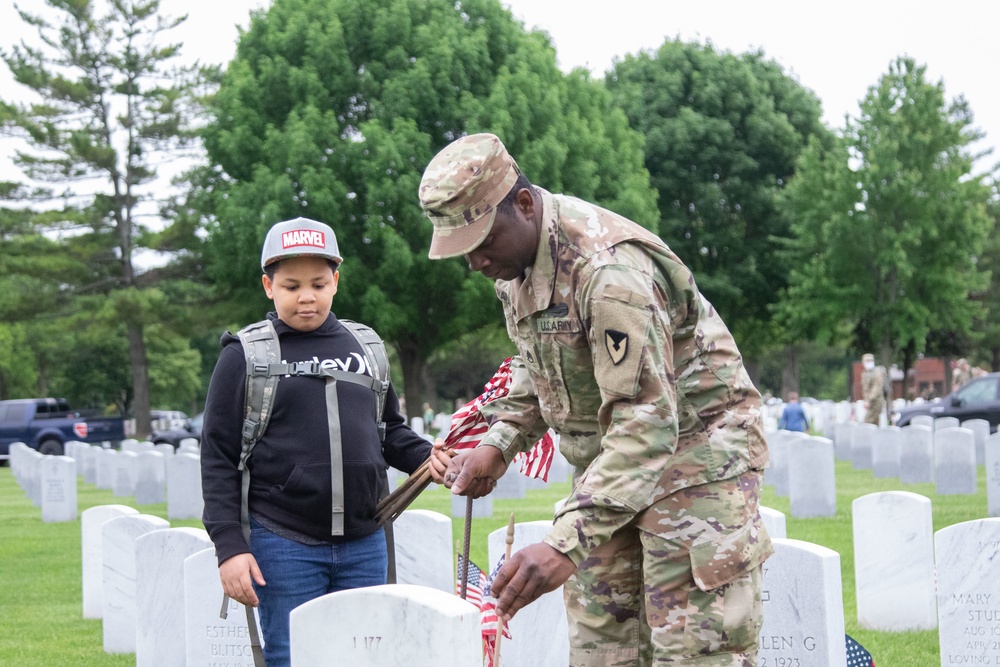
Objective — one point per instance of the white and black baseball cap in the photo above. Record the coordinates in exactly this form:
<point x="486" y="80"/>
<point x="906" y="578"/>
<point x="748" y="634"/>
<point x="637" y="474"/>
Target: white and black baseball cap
<point x="300" y="237"/>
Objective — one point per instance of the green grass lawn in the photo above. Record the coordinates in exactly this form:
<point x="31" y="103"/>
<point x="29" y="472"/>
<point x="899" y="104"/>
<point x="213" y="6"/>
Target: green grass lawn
<point x="40" y="570"/>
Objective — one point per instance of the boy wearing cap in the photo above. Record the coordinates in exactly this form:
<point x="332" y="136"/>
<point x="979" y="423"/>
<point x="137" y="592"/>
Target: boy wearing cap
<point x="304" y="542"/>
<point x="660" y="543"/>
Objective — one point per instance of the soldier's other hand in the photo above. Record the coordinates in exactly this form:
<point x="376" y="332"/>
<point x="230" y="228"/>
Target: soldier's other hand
<point x="439" y="460"/>
<point x="528" y="575"/>
<point x="474" y="472"/>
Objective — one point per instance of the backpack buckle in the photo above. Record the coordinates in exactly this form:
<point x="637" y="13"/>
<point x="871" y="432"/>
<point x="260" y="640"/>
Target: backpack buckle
<point x="304" y="368"/>
<point x="260" y="369"/>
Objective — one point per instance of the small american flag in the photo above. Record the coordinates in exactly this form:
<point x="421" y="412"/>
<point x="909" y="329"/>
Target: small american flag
<point x="857" y="656"/>
<point x="488" y="617"/>
<point x="475" y="582"/>
<point x="468" y="425"/>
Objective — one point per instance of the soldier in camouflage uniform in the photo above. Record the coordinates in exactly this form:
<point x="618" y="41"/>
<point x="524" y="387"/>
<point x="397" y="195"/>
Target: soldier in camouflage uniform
<point x="872" y="389"/>
<point x="660" y="543"/>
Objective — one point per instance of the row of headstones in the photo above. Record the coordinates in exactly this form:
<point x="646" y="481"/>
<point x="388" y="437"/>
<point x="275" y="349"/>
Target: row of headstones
<point x="152" y="477"/>
<point x="803" y="467"/>
<point x="157" y="591"/>
<point x="944" y="451"/>
<point x="907" y="578"/>
<point x="132" y="564"/>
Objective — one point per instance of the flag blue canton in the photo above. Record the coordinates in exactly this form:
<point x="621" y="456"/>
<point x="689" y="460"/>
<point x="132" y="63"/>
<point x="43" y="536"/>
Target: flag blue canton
<point x="857" y="656"/>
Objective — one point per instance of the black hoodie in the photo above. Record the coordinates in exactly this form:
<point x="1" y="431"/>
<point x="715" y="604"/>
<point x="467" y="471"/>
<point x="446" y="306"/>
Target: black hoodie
<point x="290" y="465"/>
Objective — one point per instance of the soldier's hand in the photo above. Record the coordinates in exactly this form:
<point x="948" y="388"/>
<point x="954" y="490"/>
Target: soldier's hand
<point x="474" y="472"/>
<point x="528" y="575"/>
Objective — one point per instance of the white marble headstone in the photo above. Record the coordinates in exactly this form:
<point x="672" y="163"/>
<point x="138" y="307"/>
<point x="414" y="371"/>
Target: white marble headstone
<point x="843" y="435"/>
<point x="803" y="607"/>
<point x="955" y="461"/>
<point x="968" y="592"/>
<point x="992" y="449"/>
<point x="210" y="640"/>
<point x="125" y="471"/>
<point x="885" y="452"/>
<point x="386" y="626"/>
<point x="58" y="484"/>
<point x="812" y="481"/>
<point x="981" y="428"/>
<point x="916" y="454"/>
<point x="941" y="423"/>
<point x="861" y="446"/>
<point x="417" y="424"/>
<point x="482" y="508"/>
<point x="159" y="594"/>
<point x="894" y="561"/>
<point x="184" y="499"/>
<point x="88" y="463"/>
<point x="511" y="485"/>
<point x="923" y="420"/>
<point x="774" y="521"/>
<point x="165" y="448"/>
<point x="150" y="478"/>
<point x="540" y="634"/>
<point x="33" y="476"/>
<point x="106" y="464"/>
<point x="118" y="538"/>
<point x="425" y="555"/>
<point x="776" y="472"/>
<point x="92" y="521"/>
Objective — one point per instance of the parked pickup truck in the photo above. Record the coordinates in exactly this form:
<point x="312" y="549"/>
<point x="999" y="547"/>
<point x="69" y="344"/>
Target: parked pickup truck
<point x="46" y="424"/>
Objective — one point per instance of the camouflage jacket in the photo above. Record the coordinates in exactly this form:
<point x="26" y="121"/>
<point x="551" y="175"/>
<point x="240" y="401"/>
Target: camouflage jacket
<point x="623" y="357"/>
<point x="873" y="384"/>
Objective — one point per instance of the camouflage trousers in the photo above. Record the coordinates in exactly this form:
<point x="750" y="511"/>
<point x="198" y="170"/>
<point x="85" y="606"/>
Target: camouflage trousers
<point x="680" y="585"/>
<point x="874" y="411"/>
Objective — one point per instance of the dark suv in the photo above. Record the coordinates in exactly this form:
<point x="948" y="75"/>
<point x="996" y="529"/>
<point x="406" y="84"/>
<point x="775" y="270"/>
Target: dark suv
<point x="976" y="399"/>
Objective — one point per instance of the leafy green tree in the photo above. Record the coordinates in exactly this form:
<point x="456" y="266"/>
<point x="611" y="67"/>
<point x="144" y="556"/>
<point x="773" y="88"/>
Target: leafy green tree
<point x="723" y="133"/>
<point x="888" y="223"/>
<point x="109" y="110"/>
<point x="332" y="108"/>
<point x="988" y="327"/>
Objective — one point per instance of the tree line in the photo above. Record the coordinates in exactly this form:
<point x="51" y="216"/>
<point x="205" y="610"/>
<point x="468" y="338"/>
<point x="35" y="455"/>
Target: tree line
<point x="878" y="237"/>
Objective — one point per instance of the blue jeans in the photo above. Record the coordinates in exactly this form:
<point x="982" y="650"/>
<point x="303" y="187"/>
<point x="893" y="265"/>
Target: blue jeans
<point x="296" y="573"/>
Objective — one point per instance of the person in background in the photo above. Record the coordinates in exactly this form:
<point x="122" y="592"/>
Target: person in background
<point x="873" y="381"/>
<point x="428" y="417"/>
<point x="961" y="374"/>
<point x="793" y="417"/>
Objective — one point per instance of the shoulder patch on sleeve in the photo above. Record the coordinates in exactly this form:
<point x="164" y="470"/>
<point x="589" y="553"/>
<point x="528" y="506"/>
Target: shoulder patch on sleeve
<point x="620" y="329"/>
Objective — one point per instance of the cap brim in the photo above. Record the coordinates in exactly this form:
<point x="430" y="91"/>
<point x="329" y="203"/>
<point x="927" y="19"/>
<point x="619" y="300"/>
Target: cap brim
<point x="461" y="240"/>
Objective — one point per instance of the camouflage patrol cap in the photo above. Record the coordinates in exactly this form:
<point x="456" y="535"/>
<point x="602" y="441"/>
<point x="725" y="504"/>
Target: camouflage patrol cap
<point x="460" y="190"/>
<point x="300" y="237"/>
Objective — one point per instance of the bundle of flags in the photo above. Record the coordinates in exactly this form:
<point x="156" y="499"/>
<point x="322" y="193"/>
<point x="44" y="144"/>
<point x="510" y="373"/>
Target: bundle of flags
<point x="468" y="425"/>
<point x="477" y="591"/>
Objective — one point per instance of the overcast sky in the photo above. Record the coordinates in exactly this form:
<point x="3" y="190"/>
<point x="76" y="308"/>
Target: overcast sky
<point x="837" y="49"/>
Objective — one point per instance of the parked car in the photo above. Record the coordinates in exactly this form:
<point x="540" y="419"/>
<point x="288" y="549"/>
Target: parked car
<point x="46" y="424"/>
<point x="190" y="428"/>
<point x="976" y="399"/>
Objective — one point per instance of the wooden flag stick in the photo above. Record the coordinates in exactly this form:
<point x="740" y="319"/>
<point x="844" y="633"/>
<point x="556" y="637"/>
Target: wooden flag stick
<point x="506" y="559"/>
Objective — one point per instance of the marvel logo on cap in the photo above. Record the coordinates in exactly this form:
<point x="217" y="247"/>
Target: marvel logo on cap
<point x="303" y="237"/>
<point x="300" y="237"/>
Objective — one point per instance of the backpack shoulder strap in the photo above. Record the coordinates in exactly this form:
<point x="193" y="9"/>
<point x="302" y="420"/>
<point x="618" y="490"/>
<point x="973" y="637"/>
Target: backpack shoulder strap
<point x="378" y="360"/>
<point x="262" y="352"/>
